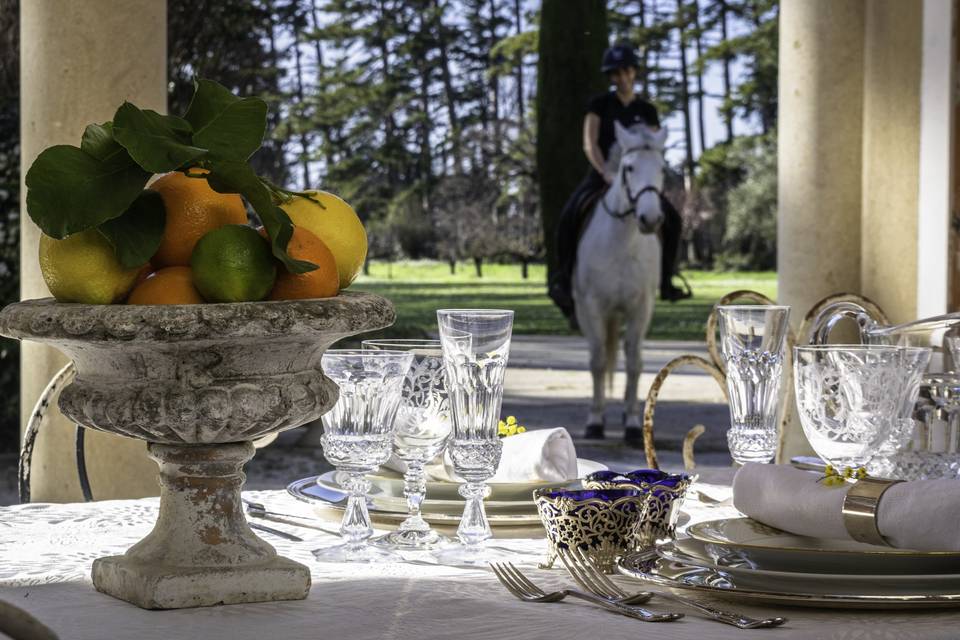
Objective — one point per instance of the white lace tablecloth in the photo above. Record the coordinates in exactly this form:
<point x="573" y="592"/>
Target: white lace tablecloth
<point x="46" y="551"/>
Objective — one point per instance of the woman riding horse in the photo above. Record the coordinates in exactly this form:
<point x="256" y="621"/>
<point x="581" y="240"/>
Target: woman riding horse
<point x="624" y="106"/>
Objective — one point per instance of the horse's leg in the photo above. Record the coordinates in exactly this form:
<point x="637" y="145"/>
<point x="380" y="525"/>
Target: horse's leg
<point x="594" y="329"/>
<point x="632" y="340"/>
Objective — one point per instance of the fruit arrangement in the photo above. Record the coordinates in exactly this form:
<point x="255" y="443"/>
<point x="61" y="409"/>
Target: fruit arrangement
<point x="152" y="209"/>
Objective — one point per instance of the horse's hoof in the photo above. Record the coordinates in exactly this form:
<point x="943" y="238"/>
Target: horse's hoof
<point x="593" y="432"/>
<point x="633" y="436"/>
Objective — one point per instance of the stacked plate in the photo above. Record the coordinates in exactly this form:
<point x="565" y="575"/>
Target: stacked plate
<point x="509" y="504"/>
<point x="741" y="558"/>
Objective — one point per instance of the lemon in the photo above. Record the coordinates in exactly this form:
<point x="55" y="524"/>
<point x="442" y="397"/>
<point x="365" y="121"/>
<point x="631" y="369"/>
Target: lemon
<point x="337" y="225"/>
<point x="84" y="268"/>
<point x="233" y="264"/>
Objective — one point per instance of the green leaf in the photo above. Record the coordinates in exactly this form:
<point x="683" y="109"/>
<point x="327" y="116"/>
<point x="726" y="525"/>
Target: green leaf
<point x="230" y="127"/>
<point x="156" y="142"/>
<point x="98" y="141"/>
<point x="69" y="190"/>
<point x="229" y="176"/>
<point x="136" y="234"/>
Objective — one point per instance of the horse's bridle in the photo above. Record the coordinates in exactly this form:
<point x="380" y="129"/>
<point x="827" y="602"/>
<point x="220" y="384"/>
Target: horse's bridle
<point x="632" y="199"/>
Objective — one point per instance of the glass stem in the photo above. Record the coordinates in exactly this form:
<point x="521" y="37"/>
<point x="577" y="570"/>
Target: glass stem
<point x="474" y="527"/>
<point x="414" y="489"/>
<point x="355" y="526"/>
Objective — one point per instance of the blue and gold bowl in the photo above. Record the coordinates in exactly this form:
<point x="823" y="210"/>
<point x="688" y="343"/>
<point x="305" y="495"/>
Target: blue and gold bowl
<point x="667" y="492"/>
<point x="603" y="524"/>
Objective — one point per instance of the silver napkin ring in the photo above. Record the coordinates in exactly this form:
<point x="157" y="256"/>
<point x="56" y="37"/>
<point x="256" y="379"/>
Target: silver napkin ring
<point x="860" y="510"/>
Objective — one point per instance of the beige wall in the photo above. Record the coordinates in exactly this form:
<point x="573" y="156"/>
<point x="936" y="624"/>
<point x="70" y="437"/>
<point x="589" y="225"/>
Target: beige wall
<point x="79" y="60"/>
<point x="891" y="152"/>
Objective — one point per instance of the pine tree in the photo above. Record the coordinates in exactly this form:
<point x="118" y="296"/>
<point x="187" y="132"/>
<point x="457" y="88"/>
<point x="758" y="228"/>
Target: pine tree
<point x="572" y="39"/>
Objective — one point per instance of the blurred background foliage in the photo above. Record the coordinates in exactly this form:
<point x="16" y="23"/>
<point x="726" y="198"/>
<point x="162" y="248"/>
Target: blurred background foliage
<point x="424" y="115"/>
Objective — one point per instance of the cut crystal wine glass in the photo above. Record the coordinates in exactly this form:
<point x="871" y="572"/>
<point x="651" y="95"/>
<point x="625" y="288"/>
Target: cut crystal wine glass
<point x="752" y="339"/>
<point x="851" y="397"/>
<point x="357" y="438"/>
<point x="422" y="430"/>
<point x="476" y="346"/>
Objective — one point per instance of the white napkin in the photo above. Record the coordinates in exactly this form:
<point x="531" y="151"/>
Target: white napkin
<point x="541" y="455"/>
<point x="923" y="514"/>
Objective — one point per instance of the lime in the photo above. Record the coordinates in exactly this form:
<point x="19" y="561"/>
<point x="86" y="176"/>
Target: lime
<point x="84" y="268"/>
<point x="233" y="264"/>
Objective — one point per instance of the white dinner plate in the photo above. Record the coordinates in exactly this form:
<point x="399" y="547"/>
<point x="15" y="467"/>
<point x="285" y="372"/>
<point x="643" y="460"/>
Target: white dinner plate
<point x="773" y="549"/>
<point x="390" y="483"/>
<point x="697" y="553"/>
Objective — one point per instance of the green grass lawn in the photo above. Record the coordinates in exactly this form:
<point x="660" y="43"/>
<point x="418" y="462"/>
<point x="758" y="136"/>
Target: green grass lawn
<point x="419" y="288"/>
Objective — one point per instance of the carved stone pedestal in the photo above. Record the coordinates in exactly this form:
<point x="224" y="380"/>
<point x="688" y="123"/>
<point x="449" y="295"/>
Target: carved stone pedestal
<point x="201" y="551"/>
<point x="199" y="383"/>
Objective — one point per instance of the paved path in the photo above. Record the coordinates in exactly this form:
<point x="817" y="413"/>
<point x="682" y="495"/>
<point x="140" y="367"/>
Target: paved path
<point x="548" y="385"/>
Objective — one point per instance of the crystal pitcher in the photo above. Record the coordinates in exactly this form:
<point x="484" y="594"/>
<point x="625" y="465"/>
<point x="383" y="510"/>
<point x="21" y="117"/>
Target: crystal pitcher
<point x="928" y="445"/>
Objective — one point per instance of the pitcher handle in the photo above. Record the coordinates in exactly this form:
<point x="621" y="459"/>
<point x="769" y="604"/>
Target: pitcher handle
<point x="830" y="315"/>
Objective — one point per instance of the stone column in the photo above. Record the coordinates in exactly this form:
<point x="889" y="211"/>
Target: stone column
<point x="78" y="62"/>
<point x="891" y="152"/>
<point x="820" y="145"/>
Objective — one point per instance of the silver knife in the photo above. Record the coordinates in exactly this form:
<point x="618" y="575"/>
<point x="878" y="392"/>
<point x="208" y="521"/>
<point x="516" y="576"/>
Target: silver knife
<point x="276" y="532"/>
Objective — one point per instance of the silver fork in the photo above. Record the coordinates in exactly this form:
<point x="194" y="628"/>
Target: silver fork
<point x="590" y="577"/>
<point x="521" y="587"/>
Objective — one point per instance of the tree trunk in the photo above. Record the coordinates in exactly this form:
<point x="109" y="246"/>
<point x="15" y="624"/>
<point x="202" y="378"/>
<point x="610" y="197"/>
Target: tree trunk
<point x="448" y="91"/>
<point x="524" y="269"/>
<point x="701" y="129"/>
<point x="685" y="88"/>
<point x="478" y="266"/>
<point x="304" y="141"/>
<point x="366" y="267"/>
<point x="495" y="84"/>
<point x="518" y="18"/>
<point x="573" y="36"/>
<point x="645" y="54"/>
<point x="727" y="112"/>
<point x="453" y="266"/>
<point x="325" y="129"/>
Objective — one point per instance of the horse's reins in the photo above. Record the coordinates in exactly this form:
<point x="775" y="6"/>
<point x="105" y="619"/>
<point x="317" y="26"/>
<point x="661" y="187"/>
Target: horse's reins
<point x="632" y="199"/>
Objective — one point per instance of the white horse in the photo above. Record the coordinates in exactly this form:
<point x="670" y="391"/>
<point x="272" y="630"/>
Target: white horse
<point x="617" y="274"/>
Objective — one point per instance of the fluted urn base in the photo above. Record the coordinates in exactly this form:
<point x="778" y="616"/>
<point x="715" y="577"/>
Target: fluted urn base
<point x="201" y="552"/>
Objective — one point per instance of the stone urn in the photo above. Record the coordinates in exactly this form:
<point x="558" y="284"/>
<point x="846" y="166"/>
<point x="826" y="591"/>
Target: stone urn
<point x="198" y="383"/>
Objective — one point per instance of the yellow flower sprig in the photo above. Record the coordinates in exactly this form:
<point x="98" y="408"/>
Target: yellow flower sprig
<point x="834" y="478"/>
<point x="509" y="427"/>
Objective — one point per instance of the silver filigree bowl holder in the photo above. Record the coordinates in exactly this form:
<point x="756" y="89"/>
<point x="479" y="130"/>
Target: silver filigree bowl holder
<point x="667" y="493"/>
<point x="602" y="524"/>
<point x="198" y="383"/>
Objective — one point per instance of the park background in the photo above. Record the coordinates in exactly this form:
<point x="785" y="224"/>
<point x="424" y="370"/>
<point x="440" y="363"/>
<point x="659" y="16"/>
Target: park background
<point x="453" y="128"/>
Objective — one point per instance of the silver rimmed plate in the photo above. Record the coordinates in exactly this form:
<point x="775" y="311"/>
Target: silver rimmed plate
<point x="308" y="490"/>
<point x="694" y="552"/>
<point x="649" y="568"/>
<point x="769" y="548"/>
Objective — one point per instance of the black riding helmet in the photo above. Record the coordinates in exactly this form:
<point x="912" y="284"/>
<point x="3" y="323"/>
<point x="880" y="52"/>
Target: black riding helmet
<point x="619" y="56"/>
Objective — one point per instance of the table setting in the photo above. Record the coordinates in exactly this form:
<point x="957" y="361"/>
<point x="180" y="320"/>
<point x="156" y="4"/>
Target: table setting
<point x="439" y="506"/>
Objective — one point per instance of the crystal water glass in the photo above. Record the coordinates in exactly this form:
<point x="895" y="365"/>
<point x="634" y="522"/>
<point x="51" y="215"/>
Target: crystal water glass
<point x="476" y="346"/>
<point x="851" y="397"/>
<point x="358" y="436"/>
<point x="422" y="430"/>
<point x="752" y="339"/>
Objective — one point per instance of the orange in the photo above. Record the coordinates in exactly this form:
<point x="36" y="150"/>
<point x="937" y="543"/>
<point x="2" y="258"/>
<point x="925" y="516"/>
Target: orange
<point x="171" y="285"/>
<point x="192" y="209"/>
<point x="322" y="282"/>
